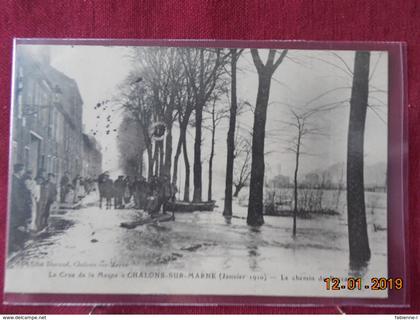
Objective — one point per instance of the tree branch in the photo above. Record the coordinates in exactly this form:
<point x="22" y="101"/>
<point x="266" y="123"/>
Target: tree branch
<point x="280" y="59"/>
<point x="257" y="60"/>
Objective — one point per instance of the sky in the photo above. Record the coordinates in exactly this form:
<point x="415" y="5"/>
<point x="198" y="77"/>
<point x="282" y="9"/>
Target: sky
<point x="98" y="71"/>
<point x="305" y="80"/>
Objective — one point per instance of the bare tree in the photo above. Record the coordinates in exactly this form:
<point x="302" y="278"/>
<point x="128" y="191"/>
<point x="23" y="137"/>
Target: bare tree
<point x="216" y="115"/>
<point x="265" y="73"/>
<point x="185" y="107"/>
<point x="227" y="211"/>
<point x="242" y="155"/>
<point x="161" y="70"/>
<point x="135" y="99"/>
<point x="356" y="210"/>
<point x="203" y="68"/>
<point x="187" y="172"/>
<point x="301" y="128"/>
<point x="340" y="187"/>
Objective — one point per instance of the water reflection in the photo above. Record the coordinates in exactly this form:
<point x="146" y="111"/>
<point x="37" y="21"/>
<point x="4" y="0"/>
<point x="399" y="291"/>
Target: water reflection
<point x="254" y="237"/>
<point x="228" y="220"/>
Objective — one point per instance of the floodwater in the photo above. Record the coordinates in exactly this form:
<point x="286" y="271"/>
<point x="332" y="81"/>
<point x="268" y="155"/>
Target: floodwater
<point x="90" y="236"/>
<point x="93" y="235"/>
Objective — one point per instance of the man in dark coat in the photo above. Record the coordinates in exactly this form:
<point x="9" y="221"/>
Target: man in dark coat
<point x="135" y="188"/>
<point x="119" y="187"/>
<point x="154" y="199"/>
<point x="144" y="191"/>
<point x="127" y="190"/>
<point x="64" y="182"/>
<point x="101" y="180"/>
<point x="18" y="211"/>
<point x="140" y="191"/>
<point x="51" y="196"/>
<point x="42" y="203"/>
<point x="108" y="191"/>
<point x="167" y="191"/>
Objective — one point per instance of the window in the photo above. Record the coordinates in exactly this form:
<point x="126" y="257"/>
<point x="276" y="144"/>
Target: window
<point x="52" y="123"/>
<point x="48" y="166"/>
<point x="56" y="125"/>
<point x="59" y="127"/>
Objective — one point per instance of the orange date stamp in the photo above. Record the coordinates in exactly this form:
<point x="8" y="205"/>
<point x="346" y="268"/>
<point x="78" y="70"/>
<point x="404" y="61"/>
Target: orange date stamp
<point x="375" y="284"/>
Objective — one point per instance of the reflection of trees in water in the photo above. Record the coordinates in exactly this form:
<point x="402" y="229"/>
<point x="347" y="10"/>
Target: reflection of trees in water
<point x="228" y="220"/>
<point x="254" y="238"/>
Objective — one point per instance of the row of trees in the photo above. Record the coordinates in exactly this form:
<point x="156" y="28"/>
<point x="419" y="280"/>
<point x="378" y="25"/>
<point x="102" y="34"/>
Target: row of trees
<point x="301" y="126"/>
<point x="175" y="86"/>
<point x="181" y="86"/>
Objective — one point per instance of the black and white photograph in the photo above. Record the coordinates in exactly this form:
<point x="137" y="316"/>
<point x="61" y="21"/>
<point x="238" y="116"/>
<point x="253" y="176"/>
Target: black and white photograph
<point x="197" y="170"/>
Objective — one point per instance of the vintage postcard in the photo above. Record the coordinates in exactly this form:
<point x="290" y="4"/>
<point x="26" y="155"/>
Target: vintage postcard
<point x="159" y="170"/>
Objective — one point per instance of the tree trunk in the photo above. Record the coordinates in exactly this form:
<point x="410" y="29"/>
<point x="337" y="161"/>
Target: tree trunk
<point x="187" y="171"/>
<point x="140" y="168"/>
<point x="200" y="102"/>
<point x="209" y="195"/>
<point x="155" y="165"/>
<point x="182" y="135"/>
<point x="227" y="211"/>
<point x="161" y="158"/>
<point x="176" y="159"/>
<point x="168" y="140"/>
<point x="356" y="211"/>
<point x="295" y="187"/>
<point x="197" y="196"/>
<point x="149" y="162"/>
<point x="255" y="205"/>
<point x="238" y="188"/>
<point x="168" y="152"/>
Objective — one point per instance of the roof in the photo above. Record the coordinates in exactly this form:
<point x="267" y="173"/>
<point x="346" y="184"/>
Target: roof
<point x="56" y="80"/>
<point x="32" y="67"/>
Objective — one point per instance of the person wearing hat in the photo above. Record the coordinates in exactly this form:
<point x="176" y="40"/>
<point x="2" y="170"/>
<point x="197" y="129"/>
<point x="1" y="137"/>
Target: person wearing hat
<point x="167" y="192"/>
<point x="108" y="191"/>
<point x="41" y="196"/>
<point x="50" y="190"/>
<point x="144" y="191"/>
<point x="101" y="180"/>
<point x="119" y="188"/>
<point x="64" y="182"/>
<point x="127" y="190"/>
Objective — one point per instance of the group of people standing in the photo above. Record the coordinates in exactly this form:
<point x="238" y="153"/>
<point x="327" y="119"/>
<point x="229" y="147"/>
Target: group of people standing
<point x="32" y="198"/>
<point x="31" y="201"/>
<point x="72" y="191"/>
<point x="150" y="195"/>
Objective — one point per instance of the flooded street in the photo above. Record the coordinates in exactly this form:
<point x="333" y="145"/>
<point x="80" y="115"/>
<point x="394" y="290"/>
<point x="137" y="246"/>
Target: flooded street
<point x="90" y="237"/>
<point x="178" y="125"/>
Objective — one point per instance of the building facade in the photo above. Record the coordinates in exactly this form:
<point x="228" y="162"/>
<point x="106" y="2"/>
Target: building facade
<point x="92" y="157"/>
<point x="47" y="118"/>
